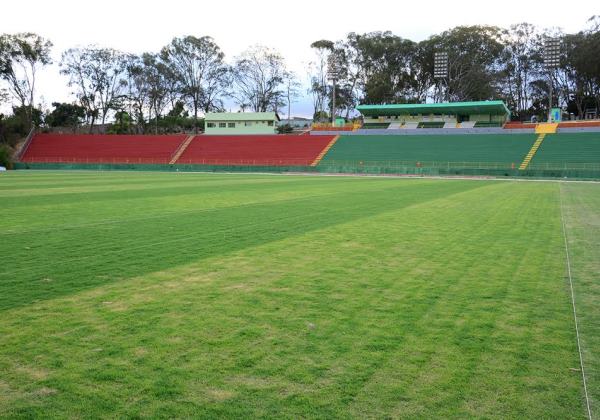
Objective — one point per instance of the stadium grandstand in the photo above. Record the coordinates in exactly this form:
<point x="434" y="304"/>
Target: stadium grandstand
<point x="435" y="115"/>
<point x="508" y="150"/>
<point x="275" y="150"/>
<point x="470" y="138"/>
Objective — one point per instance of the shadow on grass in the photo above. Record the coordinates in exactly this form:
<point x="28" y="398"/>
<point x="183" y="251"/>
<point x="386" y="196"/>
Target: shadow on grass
<point x="47" y="265"/>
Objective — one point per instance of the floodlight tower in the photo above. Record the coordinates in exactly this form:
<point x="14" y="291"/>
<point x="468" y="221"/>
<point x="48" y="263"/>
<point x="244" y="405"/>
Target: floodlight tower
<point x="333" y="73"/>
<point x="551" y="62"/>
<point x="440" y="69"/>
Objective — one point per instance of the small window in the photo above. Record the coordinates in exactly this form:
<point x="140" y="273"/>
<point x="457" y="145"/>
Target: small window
<point x="247" y="123"/>
<point x="222" y="125"/>
<point x="210" y="125"/>
<point x="270" y="123"/>
<point x="231" y="125"/>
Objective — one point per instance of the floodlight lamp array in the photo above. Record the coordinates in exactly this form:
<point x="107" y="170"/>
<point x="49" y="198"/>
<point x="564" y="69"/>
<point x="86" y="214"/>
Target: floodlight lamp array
<point x="551" y="53"/>
<point x="440" y="65"/>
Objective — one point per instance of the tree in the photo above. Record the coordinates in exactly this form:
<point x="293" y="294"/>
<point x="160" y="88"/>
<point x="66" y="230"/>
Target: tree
<point x="98" y="77"/>
<point x="258" y="76"/>
<point x="137" y="98"/>
<point x="65" y="115"/>
<point x="474" y="61"/>
<point x="21" y="56"/>
<point x="378" y="67"/>
<point x="578" y="76"/>
<point x="292" y="90"/>
<point x="348" y="59"/>
<point x="522" y="64"/>
<point x="16" y="126"/>
<point x="200" y="72"/>
<point x="160" y="81"/>
<point x="386" y="62"/>
<point x="122" y="124"/>
<point x="4" y="97"/>
<point x="318" y="75"/>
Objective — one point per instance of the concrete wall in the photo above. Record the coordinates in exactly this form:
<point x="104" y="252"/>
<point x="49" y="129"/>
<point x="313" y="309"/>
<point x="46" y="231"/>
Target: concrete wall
<point x="426" y="131"/>
<point x="579" y="130"/>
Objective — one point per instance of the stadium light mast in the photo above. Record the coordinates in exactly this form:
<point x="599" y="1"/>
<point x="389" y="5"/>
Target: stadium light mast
<point x="333" y="74"/>
<point x="551" y="62"/>
<point x="440" y="69"/>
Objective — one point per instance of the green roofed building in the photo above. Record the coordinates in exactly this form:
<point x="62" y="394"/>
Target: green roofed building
<point x="240" y="122"/>
<point x="447" y="115"/>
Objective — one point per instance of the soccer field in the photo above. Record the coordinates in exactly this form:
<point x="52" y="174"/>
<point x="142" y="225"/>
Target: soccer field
<point x="219" y="295"/>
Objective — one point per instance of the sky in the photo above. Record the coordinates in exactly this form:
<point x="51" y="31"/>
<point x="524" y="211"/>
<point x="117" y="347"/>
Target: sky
<point x="289" y="27"/>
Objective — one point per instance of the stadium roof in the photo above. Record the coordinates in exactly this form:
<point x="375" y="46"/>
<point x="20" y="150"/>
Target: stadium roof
<point x="481" y="107"/>
<point x="241" y="116"/>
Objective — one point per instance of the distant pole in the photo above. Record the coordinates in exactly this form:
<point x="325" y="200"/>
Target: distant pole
<point x="551" y="62"/>
<point x="289" y="104"/>
<point x="550" y="97"/>
<point x="333" y="106"/>
<point x="333" y="74"/>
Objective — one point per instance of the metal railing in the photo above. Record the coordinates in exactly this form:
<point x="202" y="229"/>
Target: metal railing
<point x="26" y="144"/>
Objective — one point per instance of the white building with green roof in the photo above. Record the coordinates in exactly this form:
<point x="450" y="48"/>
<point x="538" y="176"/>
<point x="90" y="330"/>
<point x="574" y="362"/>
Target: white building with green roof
<point x="232" y="123"/>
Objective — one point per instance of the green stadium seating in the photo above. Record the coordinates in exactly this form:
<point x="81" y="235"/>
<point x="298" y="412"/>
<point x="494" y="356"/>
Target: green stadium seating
<point x="375" y="125"/>
<point x="568" y="149"/>
<point x="496" y="148"/>
<point x="431" y="124"/>
<point x="485" y="124"/>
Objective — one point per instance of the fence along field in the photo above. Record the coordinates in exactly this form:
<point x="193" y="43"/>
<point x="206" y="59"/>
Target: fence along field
<point x="163" y="294"/>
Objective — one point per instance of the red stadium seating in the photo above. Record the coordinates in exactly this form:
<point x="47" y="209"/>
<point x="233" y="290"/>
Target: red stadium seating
<point x="59" y="148"/>
<point x="564" y="124"/>
<point x="518" y="125"/>
<point x="271" y="150"/>
<point x="578" y="124"/>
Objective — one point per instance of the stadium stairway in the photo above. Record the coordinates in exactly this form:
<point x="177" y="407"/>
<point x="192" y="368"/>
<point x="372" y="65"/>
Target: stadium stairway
<point x="181" y="149"/>
<point x="546" y="128"/>
<point x="532" y="151"/>
<point x="324" y="151"/>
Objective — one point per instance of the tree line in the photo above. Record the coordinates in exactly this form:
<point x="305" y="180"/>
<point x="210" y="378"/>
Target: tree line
<point x="484" y="63"/>
<point x="167" y="90"/>
<point x="161" y="91"/>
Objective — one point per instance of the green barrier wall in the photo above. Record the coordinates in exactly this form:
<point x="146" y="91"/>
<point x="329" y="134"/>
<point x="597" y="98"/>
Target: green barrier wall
<point x="163" y="168"/>
<point x="383" y="168"/>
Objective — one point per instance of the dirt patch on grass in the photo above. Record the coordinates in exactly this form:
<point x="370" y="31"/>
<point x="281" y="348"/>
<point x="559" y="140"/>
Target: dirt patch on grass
<point x="35" y="373"/>
<point x="44" y="392"/>
<point x="216" y="394"/>
<point x="253" y="382"/>
<point x="140" y="352"/>
<point x="5" y="393"/>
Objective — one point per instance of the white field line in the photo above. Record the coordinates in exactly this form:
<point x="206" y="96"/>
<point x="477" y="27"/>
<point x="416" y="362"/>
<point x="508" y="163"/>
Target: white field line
<point x="587" y="398"/>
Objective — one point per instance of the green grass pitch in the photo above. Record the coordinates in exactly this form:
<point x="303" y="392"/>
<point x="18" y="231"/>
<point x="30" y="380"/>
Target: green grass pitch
<point x="218" y="295"/>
